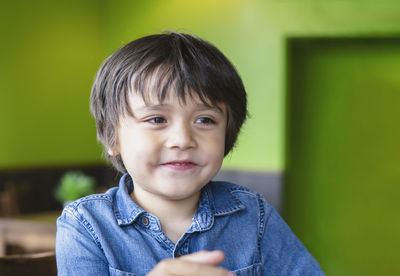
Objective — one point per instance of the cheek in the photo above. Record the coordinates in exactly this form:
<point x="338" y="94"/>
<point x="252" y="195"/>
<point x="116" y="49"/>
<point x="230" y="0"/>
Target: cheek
<point x="221" y="145"/>
<point x="138" y="145"/>
<point x="216" y="145"/>
<point x="222" y="139"/>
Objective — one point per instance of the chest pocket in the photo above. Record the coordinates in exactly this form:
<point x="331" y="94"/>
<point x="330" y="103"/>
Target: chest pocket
<point x="116" y="272"/>
<point x="253" y="270"/>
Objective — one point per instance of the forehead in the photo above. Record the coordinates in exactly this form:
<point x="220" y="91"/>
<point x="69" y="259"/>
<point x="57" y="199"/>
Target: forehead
<point x="172" y="98"/>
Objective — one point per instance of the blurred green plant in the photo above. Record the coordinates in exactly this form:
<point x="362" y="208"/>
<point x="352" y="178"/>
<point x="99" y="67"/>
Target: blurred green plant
<point x="74" y="185"/>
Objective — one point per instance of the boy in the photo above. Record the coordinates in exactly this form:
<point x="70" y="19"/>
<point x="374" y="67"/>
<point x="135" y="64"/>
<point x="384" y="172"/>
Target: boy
<point x="168" y="108"/>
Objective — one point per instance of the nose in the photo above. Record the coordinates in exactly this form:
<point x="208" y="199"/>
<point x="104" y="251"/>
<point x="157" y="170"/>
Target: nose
<point x="181" y="137"/>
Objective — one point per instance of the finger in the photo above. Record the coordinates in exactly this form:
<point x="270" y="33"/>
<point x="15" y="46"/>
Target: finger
<point x="205" y="257"/>
<point x="181" y="267"/>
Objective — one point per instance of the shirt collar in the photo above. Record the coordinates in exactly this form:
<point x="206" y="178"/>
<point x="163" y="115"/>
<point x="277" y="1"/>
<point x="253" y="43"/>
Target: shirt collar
<point x="215" y="200"/>
<point x="125" y="209"/>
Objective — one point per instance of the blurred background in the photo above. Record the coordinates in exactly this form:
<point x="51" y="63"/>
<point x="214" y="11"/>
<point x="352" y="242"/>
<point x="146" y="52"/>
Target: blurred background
<point x="322" y="142"/>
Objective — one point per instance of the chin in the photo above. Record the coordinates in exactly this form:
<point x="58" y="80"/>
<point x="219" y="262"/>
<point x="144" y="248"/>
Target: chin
<point x="180" y="195"/>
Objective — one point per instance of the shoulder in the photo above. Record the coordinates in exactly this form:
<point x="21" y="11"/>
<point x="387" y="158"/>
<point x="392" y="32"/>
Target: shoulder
<point x="91" y="205"/>
<point x="230" y="187"/>
<point x="241" y="192"/>
<point x="87" y="218"/>
<point x="249" y="199"/>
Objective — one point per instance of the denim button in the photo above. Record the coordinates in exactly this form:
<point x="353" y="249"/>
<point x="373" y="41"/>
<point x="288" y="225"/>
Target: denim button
<point x="145" y="221"/>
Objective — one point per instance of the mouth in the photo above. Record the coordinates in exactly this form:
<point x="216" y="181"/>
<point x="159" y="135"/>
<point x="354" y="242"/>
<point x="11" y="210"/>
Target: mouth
<point x="179" y="165"/>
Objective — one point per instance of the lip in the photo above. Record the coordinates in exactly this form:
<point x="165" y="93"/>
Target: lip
<point x="179" y="165"/>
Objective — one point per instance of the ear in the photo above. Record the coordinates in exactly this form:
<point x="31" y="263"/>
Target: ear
<point x="113" y="152"/>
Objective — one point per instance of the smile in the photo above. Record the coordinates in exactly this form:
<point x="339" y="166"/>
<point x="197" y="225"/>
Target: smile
<point x="179" y="165"/>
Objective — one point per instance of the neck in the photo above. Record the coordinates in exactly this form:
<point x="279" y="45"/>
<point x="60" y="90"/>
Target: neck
<point x="175" y="215"/>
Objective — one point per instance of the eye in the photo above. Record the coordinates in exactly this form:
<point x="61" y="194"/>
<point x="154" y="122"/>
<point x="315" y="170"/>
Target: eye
<point x="205" y="121"/>
<point x="157" y="120"/>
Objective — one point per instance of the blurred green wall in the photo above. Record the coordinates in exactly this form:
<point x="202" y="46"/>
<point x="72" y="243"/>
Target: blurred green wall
<point x="342" y="175"/>
<point x="51" y="50"/>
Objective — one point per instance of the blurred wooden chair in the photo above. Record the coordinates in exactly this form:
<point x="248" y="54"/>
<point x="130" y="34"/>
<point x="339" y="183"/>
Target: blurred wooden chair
<point x="43" y="264"/>
<point x="27" y="248"/>
<point x="26" y="237"/>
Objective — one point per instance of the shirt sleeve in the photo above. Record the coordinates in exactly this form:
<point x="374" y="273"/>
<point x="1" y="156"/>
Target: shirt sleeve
<point x="77" y="251"/>
<point x="282" y="252"/>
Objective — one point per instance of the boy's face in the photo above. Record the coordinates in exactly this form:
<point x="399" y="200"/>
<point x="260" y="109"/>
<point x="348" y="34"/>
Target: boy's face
<point x="171" y="149"/>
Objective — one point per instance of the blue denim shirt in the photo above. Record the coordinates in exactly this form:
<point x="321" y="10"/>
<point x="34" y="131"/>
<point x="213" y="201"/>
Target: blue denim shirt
<point x="109" y="234"/>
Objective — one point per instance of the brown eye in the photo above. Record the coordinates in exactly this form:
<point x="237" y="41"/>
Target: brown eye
<point x="157" y="120"/>
<point x="205" y="121"/>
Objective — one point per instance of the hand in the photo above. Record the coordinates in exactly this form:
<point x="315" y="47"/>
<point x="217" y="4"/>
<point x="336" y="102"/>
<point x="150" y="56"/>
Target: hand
<point x="202" y="263"/>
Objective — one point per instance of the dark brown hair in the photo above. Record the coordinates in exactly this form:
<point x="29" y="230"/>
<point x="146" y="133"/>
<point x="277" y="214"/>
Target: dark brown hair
<point x="178" y="62"/>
